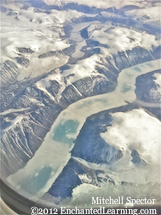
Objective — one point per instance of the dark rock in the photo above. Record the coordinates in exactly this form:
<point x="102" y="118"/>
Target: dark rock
<point x="22" y="61"/>
<point x="25" y="50"/>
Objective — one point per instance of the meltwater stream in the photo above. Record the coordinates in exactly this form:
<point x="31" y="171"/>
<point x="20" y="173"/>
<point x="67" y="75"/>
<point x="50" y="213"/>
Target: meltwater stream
<point x="38" y="175"/>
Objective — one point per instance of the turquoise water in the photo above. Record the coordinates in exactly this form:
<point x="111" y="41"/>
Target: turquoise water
<point x="57" y="143"/>
<point x="150" y="64"/>
<point x="63" y="131"/>
<point x="34" y="183"/>
<point x="86" y="103"/>
<point x="92" y="102"/>
<point x="126" y="88"/>
<point x="137" y="69"/>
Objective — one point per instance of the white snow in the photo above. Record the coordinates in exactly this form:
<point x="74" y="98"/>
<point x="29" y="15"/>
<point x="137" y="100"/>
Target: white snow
<point x="98" y="4"/>
<point x="41" y="85"/>
<point x="83" y="68"/>
<point x="41" y="33"/>
<point x="133" y="131"/>
<point x="148" y="14"/>
<point x="155" y="93"/>
<point x="123" y="39"/>
<point x="13" y="111"/>
<point x="38" y="31"/>
<point x="158" y="78"/>
<point x="78" y="111"/>
<point x="45" y="82"/>
<point x="57" y="157"/>
<point x="13" y="122"/>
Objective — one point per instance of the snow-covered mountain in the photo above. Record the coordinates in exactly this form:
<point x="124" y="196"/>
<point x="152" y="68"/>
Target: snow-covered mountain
<point x="55" y="53"/>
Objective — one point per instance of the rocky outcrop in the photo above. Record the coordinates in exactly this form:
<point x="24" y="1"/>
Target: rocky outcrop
<point x="137" y="160"/>
<point x="148" y="92"/>
<point x="23" y="61"/>
<point x="9" y="72"/>
<point x="25" y="50"/>
<point x="67" y="51"/>
<point x="43" y="106"/>
<point x="90" y="155"/>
